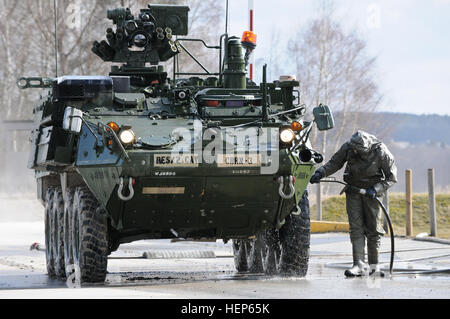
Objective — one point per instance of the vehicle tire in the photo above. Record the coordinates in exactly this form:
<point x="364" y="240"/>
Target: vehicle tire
<point x="68" y="255"/>
<point x="255" y="255"/>
<point x="240" y="255"/>
<point x="49" y="258"/>
<point x="90" y="237"/>
<point x="284" y="251"/>
<point x="58" y="233"/>
<point x="272" y="252"/>
<point x="248" y="255"/>
<point x="295" y="238"/>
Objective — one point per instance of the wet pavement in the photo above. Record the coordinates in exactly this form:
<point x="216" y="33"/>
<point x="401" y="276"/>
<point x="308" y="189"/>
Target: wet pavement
<point x="23" y="274"/>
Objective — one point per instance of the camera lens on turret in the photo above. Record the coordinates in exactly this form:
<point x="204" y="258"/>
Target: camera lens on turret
<point x="140" y="40"/>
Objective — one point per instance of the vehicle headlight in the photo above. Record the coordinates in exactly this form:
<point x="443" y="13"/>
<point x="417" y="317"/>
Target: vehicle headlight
<point x="287" y="136"/>
<point x="127" y="137"/>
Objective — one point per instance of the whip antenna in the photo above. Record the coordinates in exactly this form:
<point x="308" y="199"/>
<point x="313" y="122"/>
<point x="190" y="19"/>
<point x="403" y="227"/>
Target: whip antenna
<point x="251" y="9"/>
<point x="226" y="18"/>
<point x="56" y="35"/>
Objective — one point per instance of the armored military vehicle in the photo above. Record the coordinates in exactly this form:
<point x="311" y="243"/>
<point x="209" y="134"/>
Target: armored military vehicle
<point x="138" y="155"/>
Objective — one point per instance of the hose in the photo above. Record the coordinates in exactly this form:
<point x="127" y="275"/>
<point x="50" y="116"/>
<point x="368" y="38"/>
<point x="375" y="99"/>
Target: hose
<point x="381" y="252"/>
<point x="404" y="271"/>
<point x="391" y="231"/>
<point x="398" y="271"/>
<point x="386" y="214"/>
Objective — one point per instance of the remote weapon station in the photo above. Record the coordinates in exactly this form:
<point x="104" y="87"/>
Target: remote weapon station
<point x="139" y="155"/>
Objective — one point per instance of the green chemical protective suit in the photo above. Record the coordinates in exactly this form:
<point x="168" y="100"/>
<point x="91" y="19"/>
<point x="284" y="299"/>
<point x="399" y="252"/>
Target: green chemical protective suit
<point x="370" y="166"/>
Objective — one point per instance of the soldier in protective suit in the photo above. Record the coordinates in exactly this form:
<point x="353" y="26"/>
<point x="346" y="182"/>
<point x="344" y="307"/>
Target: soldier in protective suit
<point x="370" y="166"/>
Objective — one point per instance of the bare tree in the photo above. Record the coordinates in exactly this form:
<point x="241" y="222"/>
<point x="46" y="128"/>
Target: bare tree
<point x="334" y="69"/>
<point x="27" y="46"/>
<point x="29" y="50"/>
<point x="206" y="23"/>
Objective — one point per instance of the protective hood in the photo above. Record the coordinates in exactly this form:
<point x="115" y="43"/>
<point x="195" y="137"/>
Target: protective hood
<point x="363" y="142"/>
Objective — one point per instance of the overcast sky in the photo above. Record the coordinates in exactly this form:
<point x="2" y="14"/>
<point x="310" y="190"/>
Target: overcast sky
<point x="411" y="39"/>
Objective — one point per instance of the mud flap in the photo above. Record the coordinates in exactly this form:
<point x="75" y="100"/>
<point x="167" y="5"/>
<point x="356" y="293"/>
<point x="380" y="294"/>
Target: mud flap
<point x="302" y="173"/>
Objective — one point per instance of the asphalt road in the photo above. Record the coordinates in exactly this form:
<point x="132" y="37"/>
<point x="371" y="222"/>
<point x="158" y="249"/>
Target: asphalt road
<point x="23" y="275"/>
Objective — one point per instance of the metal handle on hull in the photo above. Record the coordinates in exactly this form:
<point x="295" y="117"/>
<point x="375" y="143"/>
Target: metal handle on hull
<point x="120" y="190"/>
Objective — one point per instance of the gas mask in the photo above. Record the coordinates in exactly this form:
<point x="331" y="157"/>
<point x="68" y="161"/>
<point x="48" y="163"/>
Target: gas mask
<point x="363" y="153"/>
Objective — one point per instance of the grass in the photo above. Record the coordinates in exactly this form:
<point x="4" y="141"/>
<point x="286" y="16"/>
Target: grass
<point x="334" y="210"/>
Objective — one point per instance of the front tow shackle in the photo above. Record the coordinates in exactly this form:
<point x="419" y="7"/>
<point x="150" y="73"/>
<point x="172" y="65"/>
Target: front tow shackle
<point x="130" y="188"/>
<point x="291" y="187"/>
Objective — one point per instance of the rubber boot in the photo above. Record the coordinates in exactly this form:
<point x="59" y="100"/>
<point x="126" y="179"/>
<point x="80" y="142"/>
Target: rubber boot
<point x="375" y="271"/>
<point x="359" y="269"/>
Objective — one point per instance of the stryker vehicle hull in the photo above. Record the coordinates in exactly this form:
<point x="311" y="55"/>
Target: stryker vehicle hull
<point x="210" y="203"/>
<point x="188" y="199"/>
<point x="137" y="155"/>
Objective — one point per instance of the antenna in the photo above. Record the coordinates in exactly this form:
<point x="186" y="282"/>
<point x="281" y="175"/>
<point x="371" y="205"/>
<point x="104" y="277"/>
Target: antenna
<point x="226" y="19"/>
<point x="56" y="35"/>
<point x="264" y="92"/>
<point x="225" y="48"/>
<point x="251" y="9"/>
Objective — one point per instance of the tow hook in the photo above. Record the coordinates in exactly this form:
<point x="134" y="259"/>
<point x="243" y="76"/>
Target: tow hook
<point x="130" y="188"/>
<point x="297" y="212"/>
<point x="291" y="187"/>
